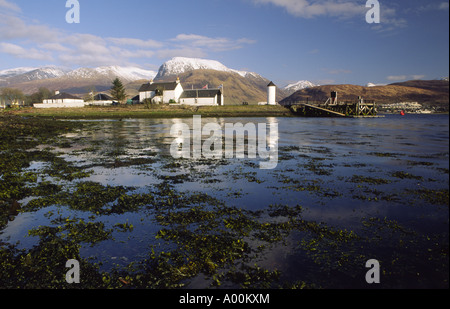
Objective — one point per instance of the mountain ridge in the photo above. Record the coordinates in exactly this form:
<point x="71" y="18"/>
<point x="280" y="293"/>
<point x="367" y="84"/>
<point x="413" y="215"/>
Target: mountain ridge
<point x="430" y="93"/>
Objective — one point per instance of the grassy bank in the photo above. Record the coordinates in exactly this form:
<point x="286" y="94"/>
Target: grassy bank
<point x="157" y="112"/>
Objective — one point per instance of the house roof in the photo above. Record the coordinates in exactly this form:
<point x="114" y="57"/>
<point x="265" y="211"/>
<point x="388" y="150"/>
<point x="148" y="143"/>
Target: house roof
<point x="200" y="93"/>
<point x="271" y="84"/>
<point x="159" y="86"/>
<point x="102" y="97"/>
<point x="63" y="95"/>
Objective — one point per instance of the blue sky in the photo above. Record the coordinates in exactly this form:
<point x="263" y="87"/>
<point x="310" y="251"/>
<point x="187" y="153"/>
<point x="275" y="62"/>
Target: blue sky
<point x="324" y="41"/>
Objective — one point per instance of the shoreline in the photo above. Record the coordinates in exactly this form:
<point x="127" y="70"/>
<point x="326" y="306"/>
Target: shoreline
<point x="163" y="112"/>
<point x="137" y="112"/>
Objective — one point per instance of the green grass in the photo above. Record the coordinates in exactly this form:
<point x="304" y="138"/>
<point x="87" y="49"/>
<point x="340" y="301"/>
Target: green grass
<point x="139" y="111"/>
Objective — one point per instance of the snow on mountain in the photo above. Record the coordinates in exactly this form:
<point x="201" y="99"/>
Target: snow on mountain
<point x="16" y="71"/>
<point x="180" y="65"/>
<point x="124" y="73"/>
<point x="132" y="73"/>
<point x="23" y="75"/>
<point x="291" y="88"/>
<point x="45" y="73"/>
<point x="374" y="85"/>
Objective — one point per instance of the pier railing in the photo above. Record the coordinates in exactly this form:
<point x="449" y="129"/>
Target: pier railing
<point x="360" y="108"/>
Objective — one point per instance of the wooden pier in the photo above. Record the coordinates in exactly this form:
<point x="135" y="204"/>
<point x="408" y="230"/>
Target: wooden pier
<point x="333" y="108"/>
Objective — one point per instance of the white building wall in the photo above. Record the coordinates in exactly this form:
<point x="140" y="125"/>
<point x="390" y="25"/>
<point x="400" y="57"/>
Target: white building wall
<point x="64" y="101"/>
<point x="178" y="92"/>
<point x="200" y="101"/>
<point x="146" y="95"/>
<point x="169" y="95"/>
<point x="271" y="95"/>
<point x="60" y="105"/>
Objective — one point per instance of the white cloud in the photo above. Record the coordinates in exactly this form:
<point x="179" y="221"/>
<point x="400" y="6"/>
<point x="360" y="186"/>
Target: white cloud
<point x="434" y="6"/>
<point x="20" y="52"/>
<point x="189" y="52"/>
<point x="23" y="38"/>
<point x="405" y="77"/>
<point x="13" y="27"/>
<point x="213" y="44"/>
<point x="314" y="8"/>
<point x="396" y="77"/>
<point x="9" y="6"/>
<point x="340" y="9"/>
<point x="417" y="77"/>
<point x="136" y="42"/>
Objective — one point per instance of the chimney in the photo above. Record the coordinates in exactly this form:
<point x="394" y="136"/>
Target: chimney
<point x="151" y="81"/>
<point x="57" y="92"/>
<point x="178" y="80"/>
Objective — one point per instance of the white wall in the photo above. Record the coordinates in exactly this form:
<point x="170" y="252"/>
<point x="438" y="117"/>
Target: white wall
<point x="64" y="101"/>
<point x="271" y="95"/>
<point x="178" y="92"/>
<point x="169" y="95"/>
<point x="60" y="105"/>
<point x="199" y="101"/>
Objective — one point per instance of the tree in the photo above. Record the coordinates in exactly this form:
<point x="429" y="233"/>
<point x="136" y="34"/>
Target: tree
<point x="118" y="91"/>
<point x="39" y="96"/>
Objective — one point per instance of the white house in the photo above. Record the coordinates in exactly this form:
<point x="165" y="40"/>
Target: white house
<point x="161" y="92"/>
<point x="202" y="97"/>
<point x="62" y="100"/>
<point x="173" y="92"/>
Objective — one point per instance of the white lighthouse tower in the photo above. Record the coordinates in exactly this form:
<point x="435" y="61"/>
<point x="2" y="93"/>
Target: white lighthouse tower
<point x="271" y="94"/>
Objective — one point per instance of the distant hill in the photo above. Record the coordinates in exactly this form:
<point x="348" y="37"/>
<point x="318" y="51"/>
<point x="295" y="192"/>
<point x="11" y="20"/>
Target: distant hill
<point x="294" y="87"/>
<point x="77" y="81"/>
<point x="426" y="92"/>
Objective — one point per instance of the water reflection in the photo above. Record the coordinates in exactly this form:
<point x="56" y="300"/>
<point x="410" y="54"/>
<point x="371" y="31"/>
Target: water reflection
<point x="374" y="177"/>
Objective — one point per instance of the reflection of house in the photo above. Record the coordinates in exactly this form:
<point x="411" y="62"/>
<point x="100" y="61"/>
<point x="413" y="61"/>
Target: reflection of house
<point x="202" y="97"/>
<point x="61" y="100"/>
<point x="172" y="92"/>
<point x="161" y="92"/>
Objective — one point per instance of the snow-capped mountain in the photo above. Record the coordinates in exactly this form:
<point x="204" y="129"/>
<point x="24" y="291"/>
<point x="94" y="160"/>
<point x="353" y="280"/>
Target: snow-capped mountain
<point x="44" y="73"/>
<point x="15" y="72"/>
<point x="24" y="74"/>
<point x="124" y="73"/>
<point x="180" y="65"/>
<point x="291" y="88"/>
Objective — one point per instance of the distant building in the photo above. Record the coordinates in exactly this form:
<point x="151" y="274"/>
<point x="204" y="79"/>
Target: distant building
<point x="202" y="97"/>
<point x="102" y="99"/>
<point x="173" y="92"/>
<point x="161" y="92"/>
<point x="271" y="94"/>
<point x="61" y="100"/>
